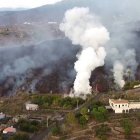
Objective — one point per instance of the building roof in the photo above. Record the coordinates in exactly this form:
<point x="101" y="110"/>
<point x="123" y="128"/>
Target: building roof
<point x="119" y="101"/>
<point x="32" y="105"/>
<point x="9" y="130"/>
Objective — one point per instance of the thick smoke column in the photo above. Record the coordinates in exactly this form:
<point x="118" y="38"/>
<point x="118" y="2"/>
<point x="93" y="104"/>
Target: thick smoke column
<point x="85" y="29"/>
<point x="118" y="71"/>
<point x="124" y="64"/>
<point x="88" y="61"/>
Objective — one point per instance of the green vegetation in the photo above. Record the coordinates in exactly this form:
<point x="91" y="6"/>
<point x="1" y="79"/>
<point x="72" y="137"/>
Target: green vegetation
<point x="83" y="121"/>
<point x="83" y="116"/>
<point x="100" y="113"/>
<point x="102" y="131"/>
<point x="76" y="120"/>
<point x="130" y="85"/>
<point x="71" y="119"/>
<point x="28" y="126"/>
<point x="97" y="111"/>
<point x="138" y="116"/>
<point x="56" y="130"/>
<point x="127" y="126"/>
<point x="95" y="104"/>
<point x="20" y="136"/>
<point x="54" y="101"/>
<point x="84" y="112"/>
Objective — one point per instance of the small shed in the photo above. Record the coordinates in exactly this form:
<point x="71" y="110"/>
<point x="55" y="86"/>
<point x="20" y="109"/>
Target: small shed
<point x="31" y="107"/>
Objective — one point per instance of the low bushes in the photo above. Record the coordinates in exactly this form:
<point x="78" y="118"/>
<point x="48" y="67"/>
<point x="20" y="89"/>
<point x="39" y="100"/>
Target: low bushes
<point x="28" y="126"/>
<point x="48" y="101"/>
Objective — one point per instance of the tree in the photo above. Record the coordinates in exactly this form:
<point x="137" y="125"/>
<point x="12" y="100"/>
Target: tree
<point x="100" y="113"/>
<point x="103" y="111"/>
<point x="138" y="116"/>
<point x="66" y="103"/>
<point x="82" y="120"/>
<point x="127" y="126"/>
<point x="71" y="119"/>
<point x="84" y="112"/>
<point x="20" y="136"/>
<point x="102" y="131"/>
<point x="56" y="130"/>
<point x="56" y="100"/>
<point x="28" y="126"/>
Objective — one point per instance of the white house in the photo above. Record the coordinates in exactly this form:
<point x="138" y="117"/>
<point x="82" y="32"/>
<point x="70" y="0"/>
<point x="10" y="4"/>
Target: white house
<point x="119" y="106"/>
<point x="137" y="86"/>
<point x="123" y="106"/>
<point x="31" y="107"/>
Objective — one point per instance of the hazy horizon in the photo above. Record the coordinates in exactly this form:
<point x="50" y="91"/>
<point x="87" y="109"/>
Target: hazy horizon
<point x="24" y="4"/>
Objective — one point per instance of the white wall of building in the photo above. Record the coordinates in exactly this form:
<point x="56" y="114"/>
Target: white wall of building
<point x="134" y="105"/>
<point x="32" y="107"/>
<point x="123" y="106"/>
<point x="119" y="107"/>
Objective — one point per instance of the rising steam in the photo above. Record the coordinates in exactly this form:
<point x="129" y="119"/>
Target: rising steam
<point x="118" y="71"/>
<point x="124" y="64"/>
<point x="85" y="29"/>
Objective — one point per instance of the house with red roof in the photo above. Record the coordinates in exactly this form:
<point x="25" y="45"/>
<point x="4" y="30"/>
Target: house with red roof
<point x="9" y="130"/>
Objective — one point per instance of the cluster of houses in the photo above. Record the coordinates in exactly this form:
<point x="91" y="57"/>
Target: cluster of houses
<point x="10" y="130"/>
<point x="3" y="128"/>
<point x="8" y="123"/>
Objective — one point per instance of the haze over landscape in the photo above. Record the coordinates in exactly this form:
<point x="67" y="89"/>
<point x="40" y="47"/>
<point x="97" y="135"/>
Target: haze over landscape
<point x="37" y="30"/>
<point x="25" y="4"/>
<point x="69" y="69"/>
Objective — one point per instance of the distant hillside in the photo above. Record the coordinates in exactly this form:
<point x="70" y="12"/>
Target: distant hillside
<point x="48" y="12"/>
<point x="13" y="9"/>
<point x="26" y="33"/>
<point x="107" y="9"/>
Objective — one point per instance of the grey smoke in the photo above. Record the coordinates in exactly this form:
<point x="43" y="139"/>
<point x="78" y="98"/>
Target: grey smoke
<point x="121" y="47"/>
<point x="20" y="62"/>
<point x="120" y="17"/>
<point x="122" y="20"/>
<point x="118" y="73"/>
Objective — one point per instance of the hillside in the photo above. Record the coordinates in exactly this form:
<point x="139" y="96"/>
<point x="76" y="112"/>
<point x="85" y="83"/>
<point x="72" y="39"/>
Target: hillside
<point x="56" y="12"/>
<point x="32" y="44"/>
<point x="28" y="34"/>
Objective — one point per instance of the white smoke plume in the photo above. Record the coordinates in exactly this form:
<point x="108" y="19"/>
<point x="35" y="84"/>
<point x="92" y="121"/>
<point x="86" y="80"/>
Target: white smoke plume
<point x="122" y="63"/>
<point x="85" y="29"/>
<point x="118" y="70"/>
<point x="88" y="61"/>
